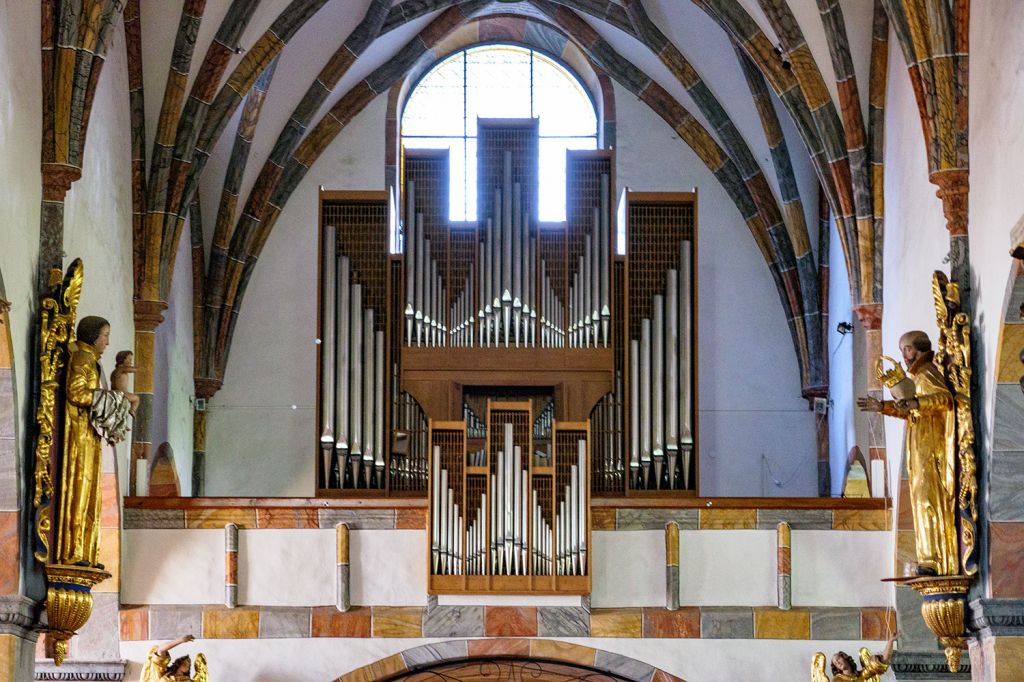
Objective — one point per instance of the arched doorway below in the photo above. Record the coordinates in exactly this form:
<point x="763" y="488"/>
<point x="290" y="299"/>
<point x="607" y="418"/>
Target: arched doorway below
<point x="511" y="660"/>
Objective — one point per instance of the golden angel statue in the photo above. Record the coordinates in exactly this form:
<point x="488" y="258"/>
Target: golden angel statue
<point x="844" y="668"/>
<point x="160" y="668"/>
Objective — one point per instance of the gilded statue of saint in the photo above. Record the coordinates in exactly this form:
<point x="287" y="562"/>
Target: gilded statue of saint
<point x="160" y="668"/>
<point x="89" y="406"/>
<point x="931" y="456"/>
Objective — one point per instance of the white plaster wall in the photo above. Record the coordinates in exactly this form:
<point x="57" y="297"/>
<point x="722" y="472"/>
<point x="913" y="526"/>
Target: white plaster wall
<point x="841" y="432"/>
<point x="309" y="660"/>
<point x="260" y="426"/>
<point x="389" y="568"/>
<point x="997" y="204"/>
<point x="838" y="568"/>
<point x="629" y="568"/>
<point x="173" y="386"/>
<point x="154" y="575"/>
<point x="267" y="556"/>
<point x="750" y="404"/>
<point x="20" y="135"/>
<point x="727" y="568"/>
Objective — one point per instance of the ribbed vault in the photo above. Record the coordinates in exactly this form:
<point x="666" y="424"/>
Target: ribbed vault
<point x="792" y="267"/>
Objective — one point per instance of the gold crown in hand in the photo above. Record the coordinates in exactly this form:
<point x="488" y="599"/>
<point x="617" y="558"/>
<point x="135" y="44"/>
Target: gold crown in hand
<point x="889" y="378"/>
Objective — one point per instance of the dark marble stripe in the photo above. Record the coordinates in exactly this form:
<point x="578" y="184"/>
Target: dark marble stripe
<point x="655" y="519"/>
<point x="1006" y="487"/>
<point x="432" y="653"/>
<point x="726" y="623"/>
<point x="284" y="621"/>
<point x="1009" y="417"/>
<point x="629" y="668"/>
<point x="454" y="621"/>
<point x="170" y="622"/>
<point x="563" y="621"/>
<point x="798" y="519"/>
<point x="153" y="518"/>
<point x="358" y="519"/>
<point x="835" y="623"/>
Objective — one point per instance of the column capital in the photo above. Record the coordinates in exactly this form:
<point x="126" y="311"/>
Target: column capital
<point x="148" y="314"/>
<point x="869" y="314"/>
<point x="954" y="185"/>
<point x="206" y="387"/>
<point x="57" y="179"/>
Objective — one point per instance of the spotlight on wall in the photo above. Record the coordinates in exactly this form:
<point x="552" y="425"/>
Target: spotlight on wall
<point x="844" y="328"/>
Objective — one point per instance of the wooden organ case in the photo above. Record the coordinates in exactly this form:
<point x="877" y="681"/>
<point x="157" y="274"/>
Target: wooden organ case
<point x="506" y="369"/>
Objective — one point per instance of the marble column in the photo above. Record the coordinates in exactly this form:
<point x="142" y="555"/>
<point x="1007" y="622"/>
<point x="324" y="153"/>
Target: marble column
<point x="784" y="574"/>
<point x="148" y="316"/>
<point x="672" y="566"/>
<point x="343" y="595"/>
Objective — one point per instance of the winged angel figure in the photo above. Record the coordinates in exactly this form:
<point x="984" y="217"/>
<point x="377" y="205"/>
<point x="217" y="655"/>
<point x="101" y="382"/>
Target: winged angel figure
<point x="844" y="668"/>
<point x="160" y="668"/>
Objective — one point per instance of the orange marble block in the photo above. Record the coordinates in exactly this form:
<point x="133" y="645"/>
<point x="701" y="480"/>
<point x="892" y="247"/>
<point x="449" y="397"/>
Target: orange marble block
<point x="499" y="647"/>
<point x="861" y="519"/>
<point x="683" y="623"/>
<point x="562" y="651"/>
<point x="602" y="519"/>
<point x="397" y="621"/>
<point x="10" y="549"/>
<point x="727" y="518"/>
<point x="287" y="518"/>
<point x="218" y="518"/>
<point x="411" y="519"/>
<point x="877" y="623"/>
<point x="510" y="621"/>
<point x="775" y="624"/>
<point x="330" y="622"/>
<point x="134" y="623"/>
<point x="616" y="622"/>
<point x="224" y="623"/>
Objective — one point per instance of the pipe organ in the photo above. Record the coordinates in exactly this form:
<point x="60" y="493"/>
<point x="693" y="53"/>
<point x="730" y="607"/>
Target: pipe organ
<point x="508" y="521"/>
<point x="425" y="338"/>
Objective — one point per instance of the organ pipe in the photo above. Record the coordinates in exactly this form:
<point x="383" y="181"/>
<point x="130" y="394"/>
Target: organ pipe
<point x="672" y="372"/>
<point x="327" y="350"/>
<point x="343" y="364"/>
<point x="356" y="374"/>
<point x="367" y="399"/>
<point x="658" y="388"/>
<point x="685" y="364"/>
<point x="661" y="382"/>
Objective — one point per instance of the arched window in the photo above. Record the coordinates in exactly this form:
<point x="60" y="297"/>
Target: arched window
<point x="500" y="81"/>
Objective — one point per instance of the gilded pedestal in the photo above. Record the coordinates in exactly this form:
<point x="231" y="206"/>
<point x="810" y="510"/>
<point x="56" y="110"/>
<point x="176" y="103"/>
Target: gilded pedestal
<point x="69" y="602"/>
